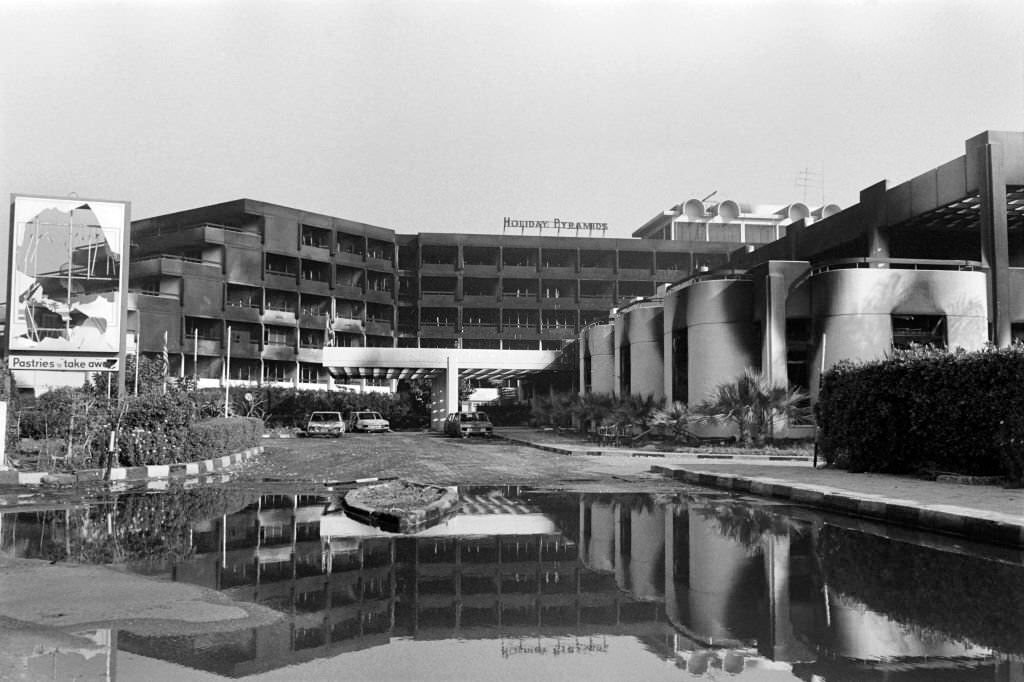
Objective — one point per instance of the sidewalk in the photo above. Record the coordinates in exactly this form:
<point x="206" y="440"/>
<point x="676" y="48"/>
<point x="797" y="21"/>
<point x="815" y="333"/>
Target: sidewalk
<point x="984" y="513"/>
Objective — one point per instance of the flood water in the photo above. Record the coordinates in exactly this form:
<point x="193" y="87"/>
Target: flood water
<point x="531" y="585"/>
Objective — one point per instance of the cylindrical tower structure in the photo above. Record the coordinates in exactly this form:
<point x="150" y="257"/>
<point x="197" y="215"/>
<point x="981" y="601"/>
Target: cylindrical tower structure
<point x="644" y="333"/>
<point x="598" y="348"/>
<point x="722" y="338"/>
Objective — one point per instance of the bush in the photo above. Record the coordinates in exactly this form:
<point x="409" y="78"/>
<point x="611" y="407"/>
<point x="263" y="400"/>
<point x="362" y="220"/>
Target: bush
<point x="508" y="414"/>
<point x="926" y="410"/>
<point x="222" y="436"/>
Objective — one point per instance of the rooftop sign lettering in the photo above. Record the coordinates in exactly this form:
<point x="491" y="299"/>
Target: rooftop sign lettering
<point x="556" y="224"/>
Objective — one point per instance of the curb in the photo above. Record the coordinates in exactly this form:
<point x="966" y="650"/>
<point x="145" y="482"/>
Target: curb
<point x="988" y="527"/>
<point x="657" y="454"/>
<point x="141" y="473"/>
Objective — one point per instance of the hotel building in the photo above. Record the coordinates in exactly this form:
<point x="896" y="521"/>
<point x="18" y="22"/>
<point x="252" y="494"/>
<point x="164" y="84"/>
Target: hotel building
<point x="287" y="283"/>
<point x="938" y="260"/>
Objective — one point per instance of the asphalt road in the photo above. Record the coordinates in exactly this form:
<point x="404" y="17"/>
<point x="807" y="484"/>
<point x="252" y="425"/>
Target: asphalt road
<point x="432" y="458"/>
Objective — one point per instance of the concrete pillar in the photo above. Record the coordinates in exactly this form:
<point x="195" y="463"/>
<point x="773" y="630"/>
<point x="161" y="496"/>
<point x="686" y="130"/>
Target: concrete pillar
<point x="773" y="349"/>
<point x="873" y="215"/>
<point x="989" y="166"/>
<point x="673" y="318"/>
<point x="720" y="334"/>
<point x="600" y="341"/>
<point x="445" y="393"/>
<point x="646" y="342"/>
<point x="582" y="365"/>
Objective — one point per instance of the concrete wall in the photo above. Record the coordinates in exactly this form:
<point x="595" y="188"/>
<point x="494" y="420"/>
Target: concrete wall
<point x="853" y="308"/>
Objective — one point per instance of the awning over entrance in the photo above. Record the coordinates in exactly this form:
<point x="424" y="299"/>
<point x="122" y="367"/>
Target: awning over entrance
<point x="444" y="366"/>
<point x="417" y="363"/>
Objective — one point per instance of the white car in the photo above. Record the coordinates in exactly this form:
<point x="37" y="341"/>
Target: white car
<point x="325" y="424"/>
<point x="368" y="421"/>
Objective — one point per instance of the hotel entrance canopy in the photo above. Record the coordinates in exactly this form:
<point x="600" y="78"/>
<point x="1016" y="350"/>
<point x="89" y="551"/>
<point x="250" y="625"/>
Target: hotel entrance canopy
<point x="444" y="366"/>
<point x="419" y="363"/>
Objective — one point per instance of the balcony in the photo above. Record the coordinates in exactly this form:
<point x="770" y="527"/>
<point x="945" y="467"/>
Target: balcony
<point x="481" y="270"/>
<point x="348" y="324"/>
<point x="202" y="345"/>
<point x="379" y="327"/>
<point x="438" y="331"/>
<point x="237" y="313"/>
<point x="313" y="354"/>
<point x="245" y="349"/>
<point x="279" y="279"/>
<point x="278" y="351"/>
<point x="167" y="265"/>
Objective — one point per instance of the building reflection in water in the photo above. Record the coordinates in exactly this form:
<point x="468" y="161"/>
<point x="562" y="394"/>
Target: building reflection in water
<point x="706" y="581"/>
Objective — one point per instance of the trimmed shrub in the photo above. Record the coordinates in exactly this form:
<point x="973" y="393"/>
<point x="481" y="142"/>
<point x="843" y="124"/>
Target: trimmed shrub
<point x="222" y="436"/>
<point x="926" y="410"/>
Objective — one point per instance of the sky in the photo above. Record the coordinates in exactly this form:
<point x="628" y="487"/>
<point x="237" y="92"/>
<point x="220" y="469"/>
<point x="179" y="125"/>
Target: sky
<point x="448" y="116"/>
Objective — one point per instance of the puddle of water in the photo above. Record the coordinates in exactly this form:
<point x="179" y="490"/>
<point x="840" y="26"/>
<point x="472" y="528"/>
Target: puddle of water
<point x="528" y="584"/>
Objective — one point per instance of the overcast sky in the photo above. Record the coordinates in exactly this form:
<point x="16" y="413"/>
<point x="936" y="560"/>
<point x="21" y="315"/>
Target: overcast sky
<point x="448" y="116"/>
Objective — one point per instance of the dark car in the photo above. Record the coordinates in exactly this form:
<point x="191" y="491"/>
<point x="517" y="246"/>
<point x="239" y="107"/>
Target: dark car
<point x="465" y="424"/>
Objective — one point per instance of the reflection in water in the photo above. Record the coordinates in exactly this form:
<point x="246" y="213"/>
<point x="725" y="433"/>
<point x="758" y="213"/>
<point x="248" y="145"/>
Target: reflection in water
<point x="706" y="584"/>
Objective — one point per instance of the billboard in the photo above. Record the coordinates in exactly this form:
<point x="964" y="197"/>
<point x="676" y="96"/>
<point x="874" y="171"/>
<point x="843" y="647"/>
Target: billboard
<point x="67" y="280"/>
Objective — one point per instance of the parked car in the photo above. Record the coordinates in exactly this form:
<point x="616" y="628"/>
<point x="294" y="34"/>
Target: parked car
<point x="325" y="424"/>
<point x="368" y="421"/>
<point x="465" y="424"/>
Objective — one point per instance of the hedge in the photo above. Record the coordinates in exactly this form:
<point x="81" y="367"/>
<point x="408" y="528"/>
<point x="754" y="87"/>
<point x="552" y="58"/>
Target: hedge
<point x="925" y="410"/>
<point x="175" y="444"/>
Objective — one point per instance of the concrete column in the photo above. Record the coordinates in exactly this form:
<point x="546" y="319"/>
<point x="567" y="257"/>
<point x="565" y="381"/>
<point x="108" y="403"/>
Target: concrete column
<point x="646" y="341"/>
<point x="721" y="336"/>
<point x="672" y="307"/>
<point x="995" y="250"/>
<point x="582" y="365"/>
<point x="873" y="214"/>
<point x="600" y="340"/>
<point x="445" y="393"/>
<point x="452" y="385"/>
<point x="773" y="350"/>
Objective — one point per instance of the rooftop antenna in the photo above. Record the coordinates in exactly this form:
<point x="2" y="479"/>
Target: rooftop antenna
<point x="709" y="196"/>
<point x="808" y="178"/>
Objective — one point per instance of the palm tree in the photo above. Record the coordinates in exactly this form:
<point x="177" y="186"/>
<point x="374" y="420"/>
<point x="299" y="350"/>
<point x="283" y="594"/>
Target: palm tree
<point x="752" y="403"/>
<point x="592" y="409"/>
<point x="673" y="416"/>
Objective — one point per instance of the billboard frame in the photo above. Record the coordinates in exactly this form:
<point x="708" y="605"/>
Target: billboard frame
<point x="122" y="286"/>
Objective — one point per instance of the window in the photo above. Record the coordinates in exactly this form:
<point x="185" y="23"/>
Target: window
<point x="309" y="374"/>
<point x="280" y="265"/>
<point x="276" y="371"/>
<point x="243" y="370"/>
<point x="278" y="335"/>
<point x="918" y="330"/>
